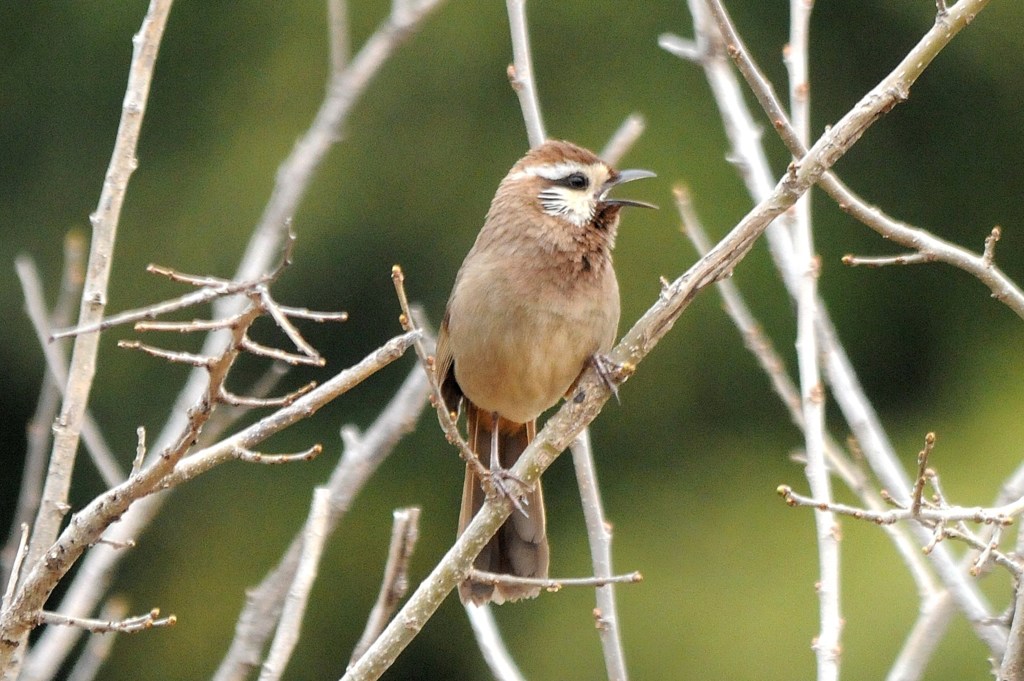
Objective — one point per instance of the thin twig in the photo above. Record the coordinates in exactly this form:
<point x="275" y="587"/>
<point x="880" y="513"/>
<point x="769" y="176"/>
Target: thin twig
<point x="97" y="647"/>
<point x="38" y="429"/>
<point x="57" y="365"/>
<point x="132" y="625"/>
<point x="520" y="72"/>
<point x="252" y="347"/>
<point x="827" y="644"/>
<point x="922" y="474"/>
<point x="337" y="34"/>
<point x="174" y="356"/>
<point x="999" y="515"/>
<point x="1012" y="665"/>
<point x="446" y="418"/>
<point x="600" y="538"/>
<point x="19" y="557"/>
<point x="405" y="531"/>
<point x="887" y="260"/>
<point x="249" y="401"/>
<point x="250" y="456"/>
<point x="623" y="139"/>
<point x="554" y="584"/>
<point x="290" y="625"/>
<point x="488" y="639"/>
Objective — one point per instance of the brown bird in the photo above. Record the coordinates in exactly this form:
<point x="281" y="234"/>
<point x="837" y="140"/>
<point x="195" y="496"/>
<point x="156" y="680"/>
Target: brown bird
<point x="535" y="300"/>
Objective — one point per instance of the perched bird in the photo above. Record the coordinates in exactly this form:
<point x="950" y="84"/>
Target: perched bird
<point x="534" y="302"/>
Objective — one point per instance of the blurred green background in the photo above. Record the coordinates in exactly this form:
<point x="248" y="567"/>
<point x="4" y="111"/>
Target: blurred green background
<point x="690" y="459"/>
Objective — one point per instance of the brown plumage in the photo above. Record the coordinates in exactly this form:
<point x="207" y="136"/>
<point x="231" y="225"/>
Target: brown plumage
<point x="534" y="300"/>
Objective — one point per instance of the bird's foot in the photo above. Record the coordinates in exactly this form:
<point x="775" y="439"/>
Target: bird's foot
<point x="612" y="373"/>
<point x="501" y="482"/>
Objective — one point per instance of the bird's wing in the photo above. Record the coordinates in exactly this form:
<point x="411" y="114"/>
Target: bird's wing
<point x="444" y="368"/>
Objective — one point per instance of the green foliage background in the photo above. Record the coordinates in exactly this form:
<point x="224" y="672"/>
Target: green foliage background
<point x="690" y="459"/>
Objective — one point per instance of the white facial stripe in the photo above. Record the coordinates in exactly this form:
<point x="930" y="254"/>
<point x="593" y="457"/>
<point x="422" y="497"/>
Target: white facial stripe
<point x="553" y="171"/>
<point x="567" y="204"/>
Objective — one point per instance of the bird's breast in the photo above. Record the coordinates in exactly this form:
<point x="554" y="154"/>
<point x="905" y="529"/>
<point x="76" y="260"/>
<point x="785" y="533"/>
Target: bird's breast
<point x="520" y="335"/>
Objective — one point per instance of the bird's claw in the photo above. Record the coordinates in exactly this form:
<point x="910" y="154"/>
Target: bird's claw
<point x="499" y="479"/>
<point x="610" y="372"/>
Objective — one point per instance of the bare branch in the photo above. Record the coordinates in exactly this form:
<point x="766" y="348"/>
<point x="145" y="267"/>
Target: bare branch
<point x="446" y="418"/>
<point x="551" y="584"/>
<point x="623" y="139"/>
<point x="720" y="39"/>
<point x="827" y="644"/>
<point x="38" y="429"/>
<point x="313" y="315"/>
<point x="488" y="638"/>
<point x="175" y="356"/>
<point x="19" y="557"/>
<point x="337" y="32"/>
<point x="313" y="538"/>
<point x="132" y="625"/>
<point x="1000" y="515"/>
<point x="194" y="326"/>
<point x="56" y="363"/>
<point x="293" y="178"/>
<point x="520" y="72"/>
<point x="283" y="401"/>
<point x="1012" y="667"/>
<point x="98" y="647"/>
<point x="276" y="459"/>
<point x="104" y="221"/>
<point x="252" y="347"/>
<point x="886" y="260"/>
<point x="600" y="538"/>
<point x="405" y="531"/>
<point x="932" y="247"/>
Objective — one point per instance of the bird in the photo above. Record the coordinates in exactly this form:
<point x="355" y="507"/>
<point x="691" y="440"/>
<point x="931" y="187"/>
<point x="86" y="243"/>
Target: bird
<point x="534" y="303"/>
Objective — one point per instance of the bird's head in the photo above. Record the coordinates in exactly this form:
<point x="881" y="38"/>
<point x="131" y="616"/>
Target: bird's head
<point x="571" y="184"/>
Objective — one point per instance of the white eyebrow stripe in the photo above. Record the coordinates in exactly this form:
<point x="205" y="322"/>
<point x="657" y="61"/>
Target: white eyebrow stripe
<point x="550" y="171"/>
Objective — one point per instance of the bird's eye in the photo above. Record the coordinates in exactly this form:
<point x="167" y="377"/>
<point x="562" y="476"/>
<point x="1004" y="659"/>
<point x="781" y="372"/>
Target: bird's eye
<point x="576" y="181"/>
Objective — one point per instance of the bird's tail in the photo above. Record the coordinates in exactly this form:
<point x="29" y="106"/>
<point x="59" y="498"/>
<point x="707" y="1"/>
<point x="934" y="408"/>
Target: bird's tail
<point x="520" y="547"/>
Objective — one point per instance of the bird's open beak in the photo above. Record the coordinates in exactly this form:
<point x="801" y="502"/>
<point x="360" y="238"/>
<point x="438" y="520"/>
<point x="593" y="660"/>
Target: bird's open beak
<point x="623" y="177"/>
